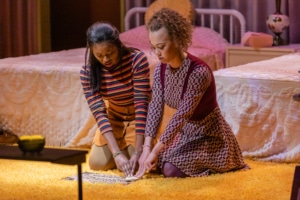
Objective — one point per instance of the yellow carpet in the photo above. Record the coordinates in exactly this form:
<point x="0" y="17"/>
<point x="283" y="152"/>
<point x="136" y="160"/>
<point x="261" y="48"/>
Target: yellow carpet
<point x="41" y="180"/>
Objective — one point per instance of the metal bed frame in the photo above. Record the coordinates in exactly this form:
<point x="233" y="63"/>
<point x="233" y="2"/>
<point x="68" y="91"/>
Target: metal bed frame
<point x="211" y="18"/>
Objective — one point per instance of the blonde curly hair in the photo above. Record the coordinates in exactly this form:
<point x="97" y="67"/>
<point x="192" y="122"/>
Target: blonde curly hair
<point x="178" y="27"/>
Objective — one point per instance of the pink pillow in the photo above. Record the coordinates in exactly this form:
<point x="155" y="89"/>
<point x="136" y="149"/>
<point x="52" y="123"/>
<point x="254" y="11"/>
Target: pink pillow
<point x="135" y="36"/>
<point x="208" y="38"/>
<point x="202" y="37"/>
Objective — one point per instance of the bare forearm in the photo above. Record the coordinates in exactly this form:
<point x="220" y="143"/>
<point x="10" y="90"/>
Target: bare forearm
<point x="148" y="141"/>
<point x="158" y="148"/>
<point x="111" y="141"/>
<point x="139" y="142"/>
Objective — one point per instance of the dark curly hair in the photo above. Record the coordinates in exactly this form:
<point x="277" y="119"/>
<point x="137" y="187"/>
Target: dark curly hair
<point x="178" y="27"/>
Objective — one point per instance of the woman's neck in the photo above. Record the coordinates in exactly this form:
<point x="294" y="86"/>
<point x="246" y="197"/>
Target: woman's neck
<point x="178" y="60"/>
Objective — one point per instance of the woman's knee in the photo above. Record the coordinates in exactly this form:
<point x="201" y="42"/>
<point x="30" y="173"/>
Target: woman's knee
<point x="101" y="158"/>
<point x="96" y="164"/>
<point x="169" y="170"/>
<point x="129" y="150"/>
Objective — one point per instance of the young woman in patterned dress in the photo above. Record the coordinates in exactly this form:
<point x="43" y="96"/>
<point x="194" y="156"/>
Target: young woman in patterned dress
<point x="115" y="82"/>
<point x="197" y="141"/>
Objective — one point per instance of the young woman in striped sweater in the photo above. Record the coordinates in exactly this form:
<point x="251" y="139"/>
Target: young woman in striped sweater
<point x="115" y="82"/>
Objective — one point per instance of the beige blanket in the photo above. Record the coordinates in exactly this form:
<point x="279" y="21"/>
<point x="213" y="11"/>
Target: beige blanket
<point x="257" y="101"/>
<point x="41" y="94"/>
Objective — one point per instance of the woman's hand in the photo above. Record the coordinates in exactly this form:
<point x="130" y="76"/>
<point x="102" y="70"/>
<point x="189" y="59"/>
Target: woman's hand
<point x="150" y="161"/>
<point x="134" y="161"/>
<point x="121" y="160"/>
<point x="143" y="158"/>
<point x="123" y="164"/>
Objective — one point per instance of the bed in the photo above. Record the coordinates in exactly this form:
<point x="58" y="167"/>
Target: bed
<point x="209" y="40"/>
<point x="257" y="101"/>
<point x="42" y="94"/>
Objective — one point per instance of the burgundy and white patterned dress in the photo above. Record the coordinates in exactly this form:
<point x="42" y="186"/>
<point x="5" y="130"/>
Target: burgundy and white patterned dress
<point x="198" y="139"/>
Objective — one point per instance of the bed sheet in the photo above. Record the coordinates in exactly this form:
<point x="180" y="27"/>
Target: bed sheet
<point x="256" y="99"/>
<point x="42" y="94"/>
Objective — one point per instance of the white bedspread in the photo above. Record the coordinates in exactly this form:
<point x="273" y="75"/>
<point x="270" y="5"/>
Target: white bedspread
<point x="257" y="101"/>
<point x="42" y="94"/>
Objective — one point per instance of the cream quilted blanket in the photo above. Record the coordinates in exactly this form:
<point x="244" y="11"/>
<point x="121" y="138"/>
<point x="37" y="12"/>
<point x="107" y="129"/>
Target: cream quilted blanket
<point x="257" y="101"/>
<point x="41" y="94"/>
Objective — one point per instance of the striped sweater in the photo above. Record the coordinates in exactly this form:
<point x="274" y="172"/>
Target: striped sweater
<point x="125" y="85"/>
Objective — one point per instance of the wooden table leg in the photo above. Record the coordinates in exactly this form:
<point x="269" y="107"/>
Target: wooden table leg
<point x="295" y="194"/>
<point x="79" y="182"/>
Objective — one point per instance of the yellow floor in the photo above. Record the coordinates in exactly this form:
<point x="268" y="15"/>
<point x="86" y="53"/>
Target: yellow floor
<point x="39" y="180"/>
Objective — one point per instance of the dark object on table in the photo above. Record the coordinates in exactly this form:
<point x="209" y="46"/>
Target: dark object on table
<point x="31" y="143"/>
<point x="296" y="97"/>
<point x="7" y="137"/>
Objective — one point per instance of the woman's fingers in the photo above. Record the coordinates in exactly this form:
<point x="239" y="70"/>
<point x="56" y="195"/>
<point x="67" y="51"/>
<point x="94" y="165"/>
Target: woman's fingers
<point x="140" y="172"/>
<point x="149" y="167"/>
<point x="124" y="164"/>
<point x="128" y="169"/>
<point x="134" y="163"/>
<point x="150" y="162"/>
<point x="133" y="168"/>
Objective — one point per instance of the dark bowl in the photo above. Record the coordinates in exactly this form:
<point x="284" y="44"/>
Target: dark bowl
<point x="31" y="145"/>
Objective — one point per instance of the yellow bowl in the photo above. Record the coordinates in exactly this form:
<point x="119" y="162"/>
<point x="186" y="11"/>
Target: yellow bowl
<point x="31" y="143"/>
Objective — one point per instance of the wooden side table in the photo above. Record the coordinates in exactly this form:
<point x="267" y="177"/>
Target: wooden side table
<point x="53" y="155"/>
<point x="239" y="55"/>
